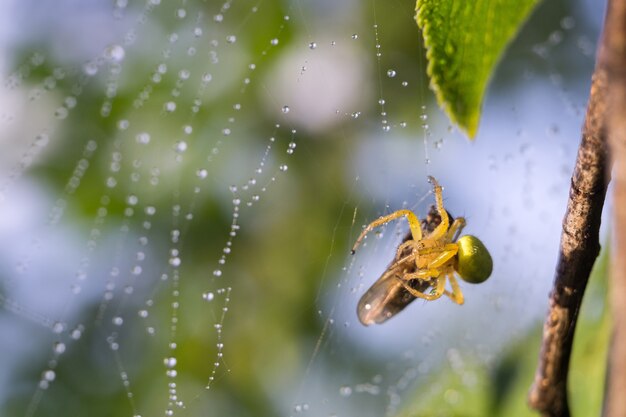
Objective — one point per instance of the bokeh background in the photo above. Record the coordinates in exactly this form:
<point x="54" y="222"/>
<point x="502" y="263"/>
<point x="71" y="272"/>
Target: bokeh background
<point x="181" y="184"/>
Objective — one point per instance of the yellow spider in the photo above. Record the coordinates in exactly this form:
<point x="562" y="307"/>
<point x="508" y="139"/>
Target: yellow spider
<point x="424" y="262"/>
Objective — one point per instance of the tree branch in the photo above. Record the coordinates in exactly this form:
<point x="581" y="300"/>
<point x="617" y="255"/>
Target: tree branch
<point x="578" y="251"/>
<point x="613" y="58"/>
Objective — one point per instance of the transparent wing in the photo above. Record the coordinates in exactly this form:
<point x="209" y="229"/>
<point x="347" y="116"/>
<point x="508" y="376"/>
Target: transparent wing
<point x="387" y="297"/>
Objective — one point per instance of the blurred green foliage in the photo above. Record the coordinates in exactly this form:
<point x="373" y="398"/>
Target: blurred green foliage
<point x="286" y="256"/>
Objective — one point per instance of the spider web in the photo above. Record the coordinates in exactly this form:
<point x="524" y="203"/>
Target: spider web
<point x="181" y="184"/>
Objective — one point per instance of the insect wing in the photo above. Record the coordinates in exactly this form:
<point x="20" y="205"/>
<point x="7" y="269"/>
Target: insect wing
<point x="376" y="305"/>
<point x="387" y="297"/>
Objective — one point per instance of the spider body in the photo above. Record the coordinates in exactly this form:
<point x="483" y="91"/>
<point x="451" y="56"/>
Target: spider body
<point x="431" y="254"/>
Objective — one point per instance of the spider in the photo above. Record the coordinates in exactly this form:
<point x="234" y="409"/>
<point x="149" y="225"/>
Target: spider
<point x="429" y="256"/>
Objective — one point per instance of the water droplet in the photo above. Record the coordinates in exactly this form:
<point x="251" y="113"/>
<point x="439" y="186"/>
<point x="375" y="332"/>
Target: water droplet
<point x="283" y="168"/>
<point x="132" y="200"/>
<point x="58" y="327"/>
<point x="345" y="391"/>
<point x="206" y="77"/>
<point x="123" y="124"/>
<point x="170" y="106"/>
<point x="58" y="347"/>
<point x="217" y="273"/>
<point x="49" y="375"/>
<point x="115" y="53"/>
<point x="170" y="362"/>
<point x="70" y="102"/>
<point x="285" y="109"/>
<point x="312" y="45"/>
<point x="274" y="41"/>
<point x="231" y="39"/>
<point x="181" y="146"/>
<point x="118" y="321"/>
<point x="77" y="333"/>
<point x="61" y="112"/>
<point x="143" y="138"/>
<point x="90" y="69"/>
<point x="391" y="73"/>
<point x="355" y="36"/>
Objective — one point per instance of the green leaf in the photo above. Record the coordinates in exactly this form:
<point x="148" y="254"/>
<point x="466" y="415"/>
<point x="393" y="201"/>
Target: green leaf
<point x="464" y="40"/>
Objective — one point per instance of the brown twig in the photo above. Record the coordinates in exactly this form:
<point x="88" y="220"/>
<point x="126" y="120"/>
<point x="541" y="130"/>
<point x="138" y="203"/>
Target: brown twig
<point x="613" y="58"/>
<point x="578" y="251"/>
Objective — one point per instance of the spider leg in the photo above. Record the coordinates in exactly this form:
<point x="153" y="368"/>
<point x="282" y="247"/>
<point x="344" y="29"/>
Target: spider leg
<point x="402" y="247"/>
<point x="456" y="295"/>
<point x="414" y="225"/>
<point x="439" y="290"/>
<point x="422" y="274"/>
<point x="402" y="261"/>
<point x="446" y="253"/>
<point x="442" y="228"/>
<point x="455" y="229"/>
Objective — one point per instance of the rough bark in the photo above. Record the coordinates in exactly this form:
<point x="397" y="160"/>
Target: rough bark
<point x="613" y="58"/>
<point x="578" y="251"/>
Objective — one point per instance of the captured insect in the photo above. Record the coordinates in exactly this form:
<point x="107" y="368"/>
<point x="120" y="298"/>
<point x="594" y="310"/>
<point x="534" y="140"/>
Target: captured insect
<point x="430" y="254"/>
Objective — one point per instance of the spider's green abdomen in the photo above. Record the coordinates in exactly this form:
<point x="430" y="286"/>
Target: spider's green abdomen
<point x="474" y="263"/>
